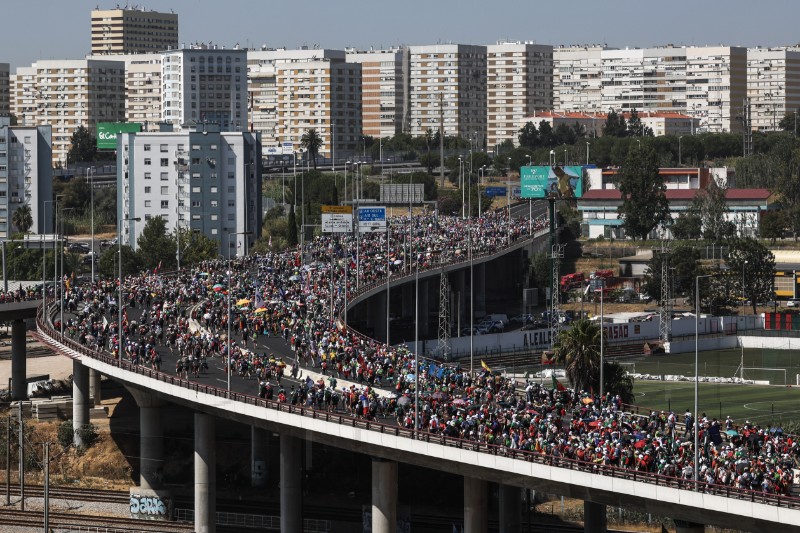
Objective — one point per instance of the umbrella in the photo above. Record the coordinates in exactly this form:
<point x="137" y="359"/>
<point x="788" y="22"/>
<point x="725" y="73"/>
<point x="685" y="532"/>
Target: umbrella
<point x="261" y="310"/>
<point x="460" y="402"/>
<point x="594" y="424"/>
<point x="411" y="377"/>
<point x="640" y="444"/>
<point x="439" y="395"/>
<point x="397" y="262"/>
<point x="732" y="432"/>
<point x="404" y="400"/>
<point x="294" y="278"/>
<point x="587" y="401"/>
<point x="243" y="301"/>
<point x="218" y="287"/>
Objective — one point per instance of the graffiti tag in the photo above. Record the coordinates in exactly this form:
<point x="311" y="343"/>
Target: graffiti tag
<point x="148" y="506"/>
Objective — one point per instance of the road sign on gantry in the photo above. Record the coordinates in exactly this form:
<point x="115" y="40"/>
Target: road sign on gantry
<point x="371" y="219"/>
<point x="337" y="218"/>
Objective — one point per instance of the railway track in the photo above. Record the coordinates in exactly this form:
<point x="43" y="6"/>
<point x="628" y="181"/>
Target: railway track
<point x="72" y="493"/>
<point x="63" y="522"/>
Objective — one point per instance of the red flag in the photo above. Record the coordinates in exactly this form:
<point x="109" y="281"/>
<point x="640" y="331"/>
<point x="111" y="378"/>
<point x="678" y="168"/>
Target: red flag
<point x="557" y="384"/>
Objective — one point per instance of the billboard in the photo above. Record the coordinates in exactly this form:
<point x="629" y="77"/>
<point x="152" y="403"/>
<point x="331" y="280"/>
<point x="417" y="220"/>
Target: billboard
<point x="541" y="181"/>
<point x="371" y="219"/>
<point x="495" y="191"/>
<point x="337" y="218"/>
<point x="107" y="133"/>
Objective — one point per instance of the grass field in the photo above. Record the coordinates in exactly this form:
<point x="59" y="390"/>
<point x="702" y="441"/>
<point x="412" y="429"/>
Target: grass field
<point x="759" y="404"/>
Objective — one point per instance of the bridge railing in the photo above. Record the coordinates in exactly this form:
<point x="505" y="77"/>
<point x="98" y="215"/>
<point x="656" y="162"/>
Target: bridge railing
<point x="52" y="337"/>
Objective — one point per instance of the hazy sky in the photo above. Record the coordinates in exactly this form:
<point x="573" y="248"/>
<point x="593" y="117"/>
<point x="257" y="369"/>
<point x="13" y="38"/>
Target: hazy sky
<point x="59" y="29"/>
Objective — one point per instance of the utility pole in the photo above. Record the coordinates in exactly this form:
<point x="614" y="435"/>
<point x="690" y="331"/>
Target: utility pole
<point x="8" y="461"/>
<point x="21" y="459"/>
<point x="441" y="139"/>
<point x="46" y="487"/>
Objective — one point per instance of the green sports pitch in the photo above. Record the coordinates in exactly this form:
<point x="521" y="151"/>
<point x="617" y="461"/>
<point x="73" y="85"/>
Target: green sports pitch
<point x="774" y="403"/>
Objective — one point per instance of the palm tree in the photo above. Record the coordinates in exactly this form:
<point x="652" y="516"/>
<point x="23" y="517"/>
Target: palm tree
<point x="618" y="381"/>
<point x="312" y="142"/>
<point x="22" y="218"/>
<point x="578" y="349"/>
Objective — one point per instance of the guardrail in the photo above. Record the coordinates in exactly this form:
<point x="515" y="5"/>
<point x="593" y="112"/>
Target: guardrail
<point x="255" y="521"/>
<point x="51" y="336"/>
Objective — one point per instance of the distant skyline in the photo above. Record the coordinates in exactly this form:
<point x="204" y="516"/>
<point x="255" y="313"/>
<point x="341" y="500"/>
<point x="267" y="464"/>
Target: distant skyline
<point x="58" y="29"/>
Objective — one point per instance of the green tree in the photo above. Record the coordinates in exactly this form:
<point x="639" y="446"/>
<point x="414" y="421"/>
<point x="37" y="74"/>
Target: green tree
<point x="644" y="202"/>
<point x="196" y="247"/>
<point x="711" y="204"/>
<point x="22" y="218"/>
<point x="312" y="142"/>
<point x="155" y="247"/>
<point x="291" y="237"/>
<point x="684" y="260"/>
<point x="109" y="266"/>
<point x="757" y="263"/>
<point x="688" y="225"/>
<point x="578" y="349"/>
<point x="615" y="125"/>
<point x="789" y="122"/>
<point x="84" y="146"/>
<point x="618" y="381"/>
<point x="773" y="224"/>
<point x="528" y="136"/>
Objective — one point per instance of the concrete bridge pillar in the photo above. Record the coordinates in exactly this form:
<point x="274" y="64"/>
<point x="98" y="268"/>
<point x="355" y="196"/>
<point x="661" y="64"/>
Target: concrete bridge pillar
<point x="510" y="509"/>
<point x="378" y="315"/>
<point x="475" y="506"/>
<point x="151" y="445"/>
<point x="407" y="300"/>
<point x="205" y="474"/>
<point x="80" y="400"/>
<point x="682" y="526"/>
<point x="259" y="454"/>
<point x="291" y="484"/>
<point x="594" y="517"/>
<point x="94" y="387"/>
<point x="19" y="385"/>
<point x="424" y="289"/>
<point x="384" y="496"/>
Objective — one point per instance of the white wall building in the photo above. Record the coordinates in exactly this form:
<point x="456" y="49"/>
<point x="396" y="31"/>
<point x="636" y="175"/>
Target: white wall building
<point x="578" y="78"/>
<point x="205" y="84"/>
<point x="67" y="94"/>
<point x="519" y="82"/>
<point x="5" y="89"/>
<point x="448" y="79"/>
<point x="716" y="86"/>
<point x="26" y="175"/>
<point x="773" y="85"/>
<point x="384" y="90"/>
<point x="645" y="79"/>
<point x="142" y="88"/>
<point x="133" y="31"/>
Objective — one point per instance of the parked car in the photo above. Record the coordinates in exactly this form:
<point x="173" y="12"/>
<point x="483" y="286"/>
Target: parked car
<point x="78" y="247"/>
<point x="497" y="326"/>
<point x="522" y="319"/>
<point x="465" y="332"/>
<point x="111" y="242"/>
<point x="793" y="302"/>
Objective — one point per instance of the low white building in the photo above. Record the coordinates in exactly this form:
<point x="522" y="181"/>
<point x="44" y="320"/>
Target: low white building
<point x="199" y="179"/>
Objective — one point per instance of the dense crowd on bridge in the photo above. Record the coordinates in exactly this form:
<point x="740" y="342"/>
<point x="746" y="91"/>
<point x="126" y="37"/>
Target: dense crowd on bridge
<point x="297" y="295"/>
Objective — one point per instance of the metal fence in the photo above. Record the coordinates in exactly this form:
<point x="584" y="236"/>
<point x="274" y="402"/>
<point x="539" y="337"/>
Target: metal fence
<point x="254" y="521"/>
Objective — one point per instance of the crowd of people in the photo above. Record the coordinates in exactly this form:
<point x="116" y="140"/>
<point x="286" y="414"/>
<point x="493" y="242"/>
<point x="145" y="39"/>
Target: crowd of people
<point x="298" y="294"/>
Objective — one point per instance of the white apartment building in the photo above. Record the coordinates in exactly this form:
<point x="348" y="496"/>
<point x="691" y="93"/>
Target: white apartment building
<point x="205" y="84"/>
<point x="68" y="94"/>
<point x="384" y="90"/>
<point x="26" y="175"/>
<point x="773" y="85"/>
<point x="447" y="83"/>
<point x="133" y="31"/>
<point x="199" y="179"/>
<point x="262" y="88"/>
<point x="716" y="86"/>
<point x="645" y="79"/>
<point x="5" y="89"/>
<point x="319" y="94"/>
<point x="592" y="123"/>
<point x="519" y="82"/>
<point x="142" y="88"/>
<point x="578" y="78"/>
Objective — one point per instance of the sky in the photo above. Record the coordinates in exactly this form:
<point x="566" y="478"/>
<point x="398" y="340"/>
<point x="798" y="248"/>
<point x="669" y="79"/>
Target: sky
<point x="61" y="27"/>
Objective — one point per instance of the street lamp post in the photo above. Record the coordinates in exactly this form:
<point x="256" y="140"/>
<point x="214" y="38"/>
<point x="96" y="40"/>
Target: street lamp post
<point x="696" y="375"/>
<point x="680" y="158"/>
<point x="61" y="313"/>
<point x="121" y="350"/>
<point x="552" y="158"/>
<point x="602" y="328"/>
<point x="587" y="152"/>
<point x="228" y="340"/>
<point x="91" y="187"/>
<point x="461" y="180"/>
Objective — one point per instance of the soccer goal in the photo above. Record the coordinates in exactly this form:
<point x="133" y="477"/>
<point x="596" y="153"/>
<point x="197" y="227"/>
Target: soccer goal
<point x="775" y="376"/>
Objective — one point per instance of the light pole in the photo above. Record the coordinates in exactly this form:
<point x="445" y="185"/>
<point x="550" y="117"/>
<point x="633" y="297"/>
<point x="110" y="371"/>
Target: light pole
<point x="696" y="375"/>
<point x="741" y="363"/>
<point x="529" y="159"/>
<point x="91" y="187"/>
<point x="44" y="252"/>
<point x="587" y="152"/>
<point x="680" y="158"/>
<point x="480" y="180"/>
<point x="228" y="340"/>
<point x="61" y="313"/>
<point x="121" y="349"/>
<point x="461" y="180"/>
<point x="565" y="156"/>
<point x="552" y="158"/>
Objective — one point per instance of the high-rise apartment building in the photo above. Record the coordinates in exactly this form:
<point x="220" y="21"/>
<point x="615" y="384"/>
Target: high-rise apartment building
<point x="68" y="94"/>
<point x="324" y="95"/>
<point x="205" y="84"/>
<point x="262" y="87"/>
<point x="519" y="83"/>
<point x="716" y="86"/>
<point x="5" y="90"/>
<point x="384" y="90"/>
<point x="26" y="175"/>
<point x="133" y="31"/>
<point x="578" y="78"/>
<point x="198" y="179"/>
<point x="447" y="83"/>
<point x="773" y="85"/>
<point x="142" y="88"/>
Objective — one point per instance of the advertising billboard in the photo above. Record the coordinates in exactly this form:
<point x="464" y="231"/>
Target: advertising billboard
<point x="107" y="133"/>
<point x="543" y="181"/>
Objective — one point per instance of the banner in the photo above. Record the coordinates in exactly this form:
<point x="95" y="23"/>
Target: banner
<point x="543" y="181"/>
<point x="107" y="133"/>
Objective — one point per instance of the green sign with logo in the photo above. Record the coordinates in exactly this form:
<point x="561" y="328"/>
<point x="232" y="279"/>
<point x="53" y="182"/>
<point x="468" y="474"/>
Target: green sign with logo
<point x="543" y="181"/>
<point x="107" y="133"/>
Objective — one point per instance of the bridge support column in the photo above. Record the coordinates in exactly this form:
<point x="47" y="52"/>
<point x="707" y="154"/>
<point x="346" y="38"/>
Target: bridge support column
<point x="407" y="300"/>
<point x="291" y="484"/>
<point x="19" y="387"/>
<point x="94" y="387"/>
<point x="424" y="288"/>
<point x="510" y="509"/>
<point x="594" y="517"/>
<point x="205" y="474"/>
<point x="259" y="453"/>
<point x="80" y="400"/>
<point x="384" y="496"/>
<point x="682" y="526"/>
<point x="378" y="315"/>
<point x="475" y="506"/>
<point x="151" y="445"/>
<point x="461" y="316"/>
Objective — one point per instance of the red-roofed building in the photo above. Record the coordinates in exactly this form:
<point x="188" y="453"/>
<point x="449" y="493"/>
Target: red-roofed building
<point x="599" y="207"/>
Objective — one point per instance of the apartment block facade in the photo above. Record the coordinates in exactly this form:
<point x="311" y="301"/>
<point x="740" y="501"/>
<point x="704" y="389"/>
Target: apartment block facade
<point x="773" y="85"/>
<point x="324" y="95"/>
<point x="578" y="78"/>
<point x="198" y="179"/>
<point x="384" y="90"/>
<point x="447" y="83"/>
<point x="133" y="31"/>
<point x="26" y="175"/>
<point x="716" y="86"/>
<point x="142" y="88"/>
<point x="519" y="83"/>
<point x="204" y="84"/>
<point x="68" y="94"/>
<point x="5" y="89"/>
